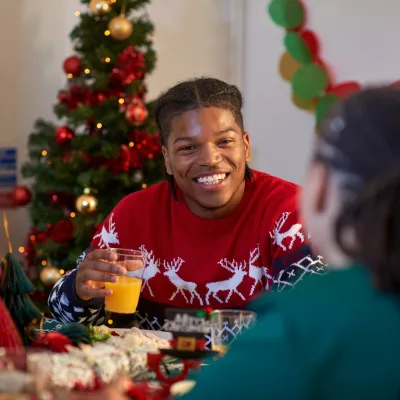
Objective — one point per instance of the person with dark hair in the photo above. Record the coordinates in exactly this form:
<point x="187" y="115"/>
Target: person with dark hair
<point x="335" y="336"/>
<point x="214" y="234"/>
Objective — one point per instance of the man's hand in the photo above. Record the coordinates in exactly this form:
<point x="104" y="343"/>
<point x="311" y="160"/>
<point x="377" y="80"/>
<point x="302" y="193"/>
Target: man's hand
<point x="97" y="268"/>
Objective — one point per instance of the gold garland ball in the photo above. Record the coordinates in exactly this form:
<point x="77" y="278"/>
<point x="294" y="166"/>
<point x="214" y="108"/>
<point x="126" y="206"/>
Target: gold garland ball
<point x="120" y="27"/>
<point x="86" y="204"/>
<point x="50" y="275"/>
<point x="99" y="7"/>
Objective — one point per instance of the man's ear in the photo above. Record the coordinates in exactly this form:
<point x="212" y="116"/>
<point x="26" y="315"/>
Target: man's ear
<point x="167" y="160"/>
<point x="247" y="148"/>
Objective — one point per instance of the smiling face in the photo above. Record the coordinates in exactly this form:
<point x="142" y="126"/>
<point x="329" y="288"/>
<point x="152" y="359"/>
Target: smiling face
<point x="207" y="153"/>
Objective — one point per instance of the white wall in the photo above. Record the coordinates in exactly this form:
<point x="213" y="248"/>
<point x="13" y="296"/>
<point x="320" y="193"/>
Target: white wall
<point x="33" y="44"/>
<point x="193" y="38"/>
<point x="359" y="40"/>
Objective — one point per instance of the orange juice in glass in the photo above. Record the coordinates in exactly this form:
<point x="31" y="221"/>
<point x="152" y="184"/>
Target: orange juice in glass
<point x="126" y="290"/>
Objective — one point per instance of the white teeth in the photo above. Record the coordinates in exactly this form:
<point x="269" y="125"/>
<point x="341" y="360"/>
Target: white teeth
<point x="211" y="179"/>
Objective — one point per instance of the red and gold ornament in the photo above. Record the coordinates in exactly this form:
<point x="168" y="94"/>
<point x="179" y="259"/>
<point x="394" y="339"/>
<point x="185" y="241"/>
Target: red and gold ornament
<point x="77" y="95"/>
<point x="136" y="113"/>
<point x="62" y="231"/>
<point x="122" y="163"/>
<point x="145" y="147"/>
<point x="130" y="66"/>
<point x="73" y="65"/>
<point x="21" y="196"/>
<point x="63" y="135"/>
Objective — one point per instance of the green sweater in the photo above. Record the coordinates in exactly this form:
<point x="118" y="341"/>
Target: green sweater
<point x="333" y="337"/>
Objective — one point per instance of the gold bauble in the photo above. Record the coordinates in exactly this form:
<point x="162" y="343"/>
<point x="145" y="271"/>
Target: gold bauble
<point x="99" y="7"/>
<point x="50" y="275"/>
<point x="120" y="27"/>
<point x="86" y="204"/>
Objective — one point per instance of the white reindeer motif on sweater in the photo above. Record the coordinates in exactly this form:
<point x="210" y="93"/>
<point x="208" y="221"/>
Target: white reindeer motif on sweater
<point x="172" y="268"/>
<point x="255" y="272"/>
<point x="108" y="237"/>
<point x="293" y="232"/>
<point x="151" y="269"/>
<point x="230" y="285"/>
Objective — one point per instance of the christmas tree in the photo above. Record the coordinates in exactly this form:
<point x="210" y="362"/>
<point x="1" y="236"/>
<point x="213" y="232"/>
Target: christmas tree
<point x="105" y="144"/>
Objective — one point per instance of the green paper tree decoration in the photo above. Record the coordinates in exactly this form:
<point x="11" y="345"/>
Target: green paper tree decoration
<point x="14" y="289"/>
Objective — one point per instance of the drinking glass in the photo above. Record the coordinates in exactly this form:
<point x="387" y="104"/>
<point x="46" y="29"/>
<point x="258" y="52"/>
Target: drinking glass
<point x="227" y="325"/>
<point x="126" y="290"/>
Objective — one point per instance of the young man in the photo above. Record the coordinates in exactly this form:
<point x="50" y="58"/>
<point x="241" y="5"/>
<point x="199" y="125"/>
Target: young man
<point x="214" y="234"/>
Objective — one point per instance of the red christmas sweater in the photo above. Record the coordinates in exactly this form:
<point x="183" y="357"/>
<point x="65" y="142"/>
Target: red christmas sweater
<point x="193" y="262"/>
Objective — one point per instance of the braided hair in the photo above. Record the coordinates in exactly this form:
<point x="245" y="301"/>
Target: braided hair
<point x="191" y="95"/>
<point x="360" y="143"/>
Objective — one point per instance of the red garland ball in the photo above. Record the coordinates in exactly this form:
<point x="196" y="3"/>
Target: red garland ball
<point x="53" y="341"/>
<point x="63" y="134"/>
<point x="73" y="65"/>
<point x="21" y="196"/>
<point x="136" y="113"/>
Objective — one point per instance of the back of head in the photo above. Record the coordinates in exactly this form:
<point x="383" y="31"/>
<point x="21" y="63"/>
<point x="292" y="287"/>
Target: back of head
<point x="360" y="143"/>
<point x="193" y="94"/>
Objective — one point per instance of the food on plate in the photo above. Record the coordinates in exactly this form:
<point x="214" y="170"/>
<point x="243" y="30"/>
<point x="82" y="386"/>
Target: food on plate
<point x="138" y="341"/>
<point x="99" y="333"/>
<point x="110" y="356"/>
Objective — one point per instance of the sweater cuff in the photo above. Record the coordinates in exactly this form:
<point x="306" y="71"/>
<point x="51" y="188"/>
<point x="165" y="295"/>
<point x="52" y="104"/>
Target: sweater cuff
<point x="70" y="291"/>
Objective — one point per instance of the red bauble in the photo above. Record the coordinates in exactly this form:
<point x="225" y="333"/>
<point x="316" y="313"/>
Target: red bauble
<point x="61" y="231"/>
<point x="63" y="97"/>
<point x="66" y="157"/>
<point x="146" y="146"/>
<point x="345" y="89"/>
<point x="73" y="65"/>
<point x="21" y="196"/>
<point x="136" y="113"/>
<point x="77" y="95"/>
<point x="130" y="66"/>
<point x="53" y="341"/>
<point x="63" y="134"/>
<point x="123" y="162"/>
